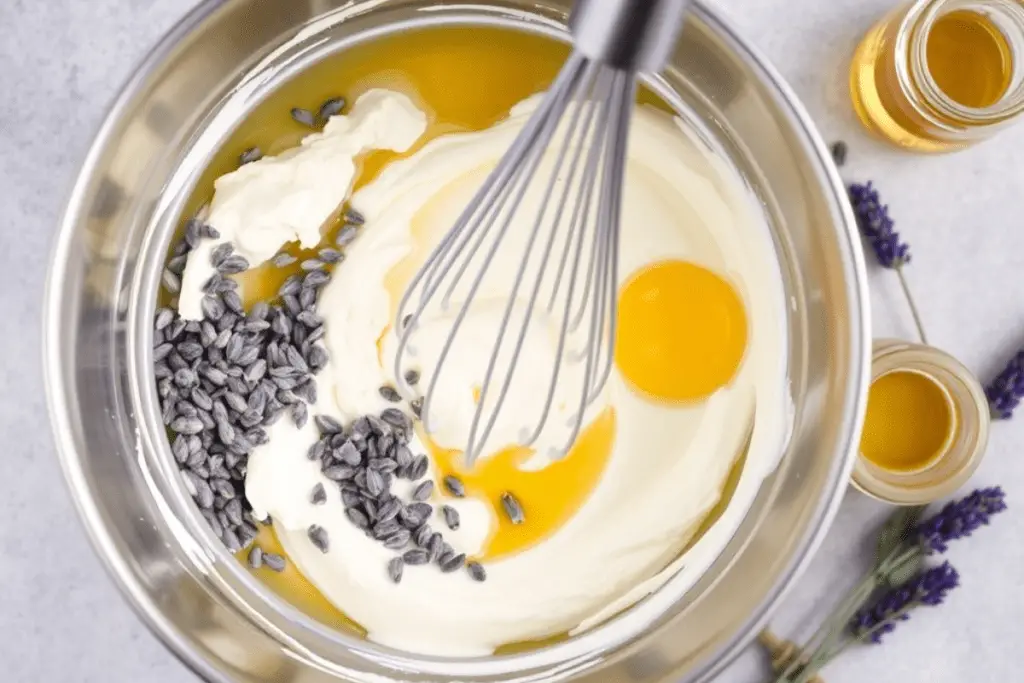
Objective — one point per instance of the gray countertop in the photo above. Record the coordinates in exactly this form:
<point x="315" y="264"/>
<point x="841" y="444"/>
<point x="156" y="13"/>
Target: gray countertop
<point x="61" y="619"/>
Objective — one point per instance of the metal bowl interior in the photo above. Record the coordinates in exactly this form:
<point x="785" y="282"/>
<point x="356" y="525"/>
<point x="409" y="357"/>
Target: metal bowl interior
<point x="169" y="120"/>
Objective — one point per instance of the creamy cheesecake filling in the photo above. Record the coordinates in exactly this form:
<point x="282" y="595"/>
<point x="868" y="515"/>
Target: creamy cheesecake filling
<point x="605" y="526"/>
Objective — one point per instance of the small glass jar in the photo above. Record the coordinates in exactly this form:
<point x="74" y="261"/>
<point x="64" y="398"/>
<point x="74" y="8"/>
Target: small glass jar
<point x="938" y="75"/>
<point x="962" y="448"/>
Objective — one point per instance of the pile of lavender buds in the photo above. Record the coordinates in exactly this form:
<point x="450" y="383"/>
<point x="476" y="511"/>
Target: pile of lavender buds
<point x="223" y="379"/>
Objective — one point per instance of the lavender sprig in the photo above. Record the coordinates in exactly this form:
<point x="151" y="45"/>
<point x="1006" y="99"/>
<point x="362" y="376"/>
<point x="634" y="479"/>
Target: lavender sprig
<point x="876" y="225"/>
<point x="903" y="542"/>
<point x="1007" y="389"/>
<point x="927" y="588"/>
<point x="960" y="518"/>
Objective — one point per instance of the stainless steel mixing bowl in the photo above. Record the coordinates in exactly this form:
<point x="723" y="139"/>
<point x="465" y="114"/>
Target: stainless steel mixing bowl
<point x="182" y="102"/>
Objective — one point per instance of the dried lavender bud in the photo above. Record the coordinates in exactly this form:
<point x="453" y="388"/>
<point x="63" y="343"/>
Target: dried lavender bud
<point x="374" y="482"/>
<point x="315" y="278"/>
<point x="250" y="155"/>
<point x="318" y="496"/>
<point x="452" y="563"/>
<point x="328" y="425"/>
<point x="395" y="566"/>
<point x="318" y="537"/>
<point x="422" y="491"/>
<point x="451" y="517"/>
<point x="396" y="418"/>
<point x="283" y="259"/>
<point x="329" y="255"/>
<point x="416" y="557"/>
<point x="256" y="557"/>
<point x="331" y="107"/>
<point x="171" y="282"/>
<point x="348" y="454"/>
<point x="512" y="508"/>
<point x="476" y="571"/>
<point x="389" y="510"/>
<point x="435" y="546"/>
<point x="274" y="561"/>
<point x="838" y="150"/>
<point x="419" y="467"/>
<point x="389" y="393"/>
<point x="397" y="540"/>
<point x="304" y="116"/>
<point x="357" y="518"/>
<point x="233" y="264"/>
<point x="346" y="236"/>
<point x="454" y="486"/>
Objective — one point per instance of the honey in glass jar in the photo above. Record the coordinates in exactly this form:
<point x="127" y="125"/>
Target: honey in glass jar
<point x="938" y="75"/>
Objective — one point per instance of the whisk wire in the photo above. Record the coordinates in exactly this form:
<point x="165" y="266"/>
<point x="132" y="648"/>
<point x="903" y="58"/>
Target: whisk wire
<point x="594" y="260"/>
<point x="444" y="257"/>
<point x="583" y="201"/>
<point x="611" y="233"/>
<point x="542" y="125"/>
<point x="508" y="165"/>
<point x="578" y="137"/>
<point x="430" y="277"/>
<point x="581" y="212"/>
<point x="583" y="108"/>
<point x="517" y="190"/>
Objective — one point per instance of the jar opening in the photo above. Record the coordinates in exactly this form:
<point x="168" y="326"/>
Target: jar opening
<point x="965" y="58"/>
<point x="910" y="421"/>
<point x="926" y="395"/>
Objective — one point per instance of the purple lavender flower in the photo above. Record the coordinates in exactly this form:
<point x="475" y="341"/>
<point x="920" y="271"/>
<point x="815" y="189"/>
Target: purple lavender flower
<point x="875" y="224"/>
<point x="1007" y="390"/>
<point x="960" y="518"/>
<point x="928" y="588"/>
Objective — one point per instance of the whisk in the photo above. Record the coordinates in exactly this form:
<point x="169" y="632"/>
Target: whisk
<point x="555" y="199"/>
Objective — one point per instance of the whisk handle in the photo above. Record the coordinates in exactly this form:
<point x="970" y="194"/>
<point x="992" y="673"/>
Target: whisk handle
<point x="634" y="35"/>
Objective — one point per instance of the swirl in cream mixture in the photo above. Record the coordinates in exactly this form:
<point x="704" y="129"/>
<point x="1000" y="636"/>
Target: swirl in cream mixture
<point x="700" y="351"/>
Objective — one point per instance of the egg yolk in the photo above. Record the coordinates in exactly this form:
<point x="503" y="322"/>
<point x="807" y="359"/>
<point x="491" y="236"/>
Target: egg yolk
<point x="681" y="333"/>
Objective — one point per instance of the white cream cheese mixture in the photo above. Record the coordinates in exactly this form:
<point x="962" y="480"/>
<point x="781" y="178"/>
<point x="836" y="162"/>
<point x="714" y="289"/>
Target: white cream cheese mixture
<point x="668" y="463"/>
<point x="291" y="197"/>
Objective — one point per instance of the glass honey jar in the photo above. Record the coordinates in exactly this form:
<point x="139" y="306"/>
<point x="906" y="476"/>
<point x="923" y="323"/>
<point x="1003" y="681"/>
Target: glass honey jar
<point x="938" y="75"/>
<point x="926" y="426"/>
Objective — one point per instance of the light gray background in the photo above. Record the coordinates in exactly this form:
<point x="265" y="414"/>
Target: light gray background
<point x="61" y="619"/>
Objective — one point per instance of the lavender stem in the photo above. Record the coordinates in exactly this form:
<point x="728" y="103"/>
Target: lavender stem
<point x="830" y="650"/>
<point x="834" y="628"/>
<point x="828" y="629"/>
<point x="845" y="645"/>
<point x="913" y="307"/>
